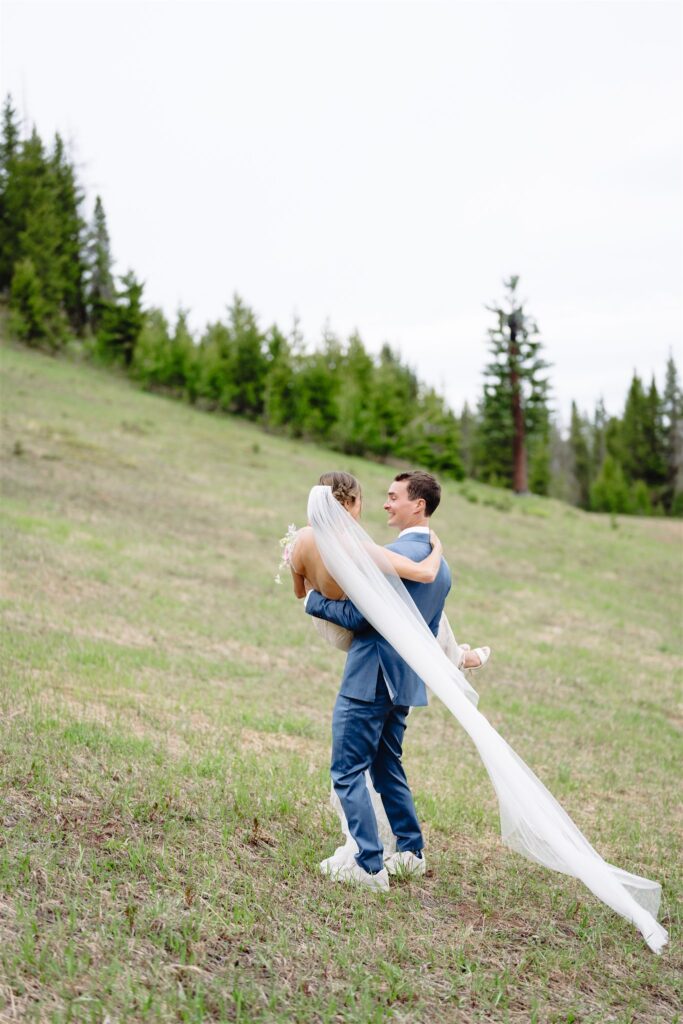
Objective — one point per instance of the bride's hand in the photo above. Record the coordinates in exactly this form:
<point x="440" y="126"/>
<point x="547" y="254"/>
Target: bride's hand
<point x="435" y="542"/>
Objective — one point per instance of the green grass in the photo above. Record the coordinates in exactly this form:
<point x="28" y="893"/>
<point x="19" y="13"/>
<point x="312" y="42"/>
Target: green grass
<point x="165" y="713"/>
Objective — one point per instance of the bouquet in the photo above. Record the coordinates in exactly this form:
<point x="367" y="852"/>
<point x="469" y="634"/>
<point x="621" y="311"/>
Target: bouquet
<point x="286" y="546"/>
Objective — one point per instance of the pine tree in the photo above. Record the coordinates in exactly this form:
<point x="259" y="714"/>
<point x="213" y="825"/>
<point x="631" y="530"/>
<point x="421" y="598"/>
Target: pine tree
<point x="493" y="439"/>
<point x="249" y="364"/>
<point x="151" y="352"/>
<point x="395" y="392"/>
<point x="279" y="392"/>
<point x="430" y="437"/>
<point x="356" y="430"/>
<point x="11" y="131"/>
<point x="122" y="322"/>
<point x="184" y="362"/>
<point x="581" y="461"/>
<point x="655" y="474"/>
<point x="99" y="287"/>
<point x="29" y="319"/>
<point x="633" y="453"/>
<point x="563" y="485"/>
<point x="515" y="395"/>
<point x="598" y="444"/>
<point x="68" y="198"/>
<point x="467" y="428"/>
<point x="539" y="462"/>
<point x="40" y="239"/>
<point x="610" y="491"/>
<point x="317" y="389"/>
<point x="672" y="417"/>
<point x="642" y="445"/>
<point x="9" y="211"/>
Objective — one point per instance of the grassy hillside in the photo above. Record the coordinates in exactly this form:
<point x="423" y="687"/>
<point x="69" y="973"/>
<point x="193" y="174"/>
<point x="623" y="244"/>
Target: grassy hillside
<point x="165" y="712"/>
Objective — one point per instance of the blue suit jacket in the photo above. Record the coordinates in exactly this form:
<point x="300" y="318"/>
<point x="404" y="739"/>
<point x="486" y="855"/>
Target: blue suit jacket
<point x="369" y="650"/>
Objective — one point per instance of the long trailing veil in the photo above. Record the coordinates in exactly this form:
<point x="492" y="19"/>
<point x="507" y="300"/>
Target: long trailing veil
<point x="532" y="821"/>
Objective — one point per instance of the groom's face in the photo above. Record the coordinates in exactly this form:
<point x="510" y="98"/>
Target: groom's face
<point x="402" y="510"/>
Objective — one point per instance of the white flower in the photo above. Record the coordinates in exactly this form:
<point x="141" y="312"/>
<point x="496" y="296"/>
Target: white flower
<point x="286" y="545"/>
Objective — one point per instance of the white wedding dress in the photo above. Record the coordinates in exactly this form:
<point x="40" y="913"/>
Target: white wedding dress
<point x="532" y="822"/>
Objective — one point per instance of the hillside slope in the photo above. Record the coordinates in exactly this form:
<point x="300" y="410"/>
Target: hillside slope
<point x="166" y="712"/>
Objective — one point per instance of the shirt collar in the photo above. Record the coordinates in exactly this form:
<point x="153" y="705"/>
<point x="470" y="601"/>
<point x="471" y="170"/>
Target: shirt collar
<point x="414" y="529"/>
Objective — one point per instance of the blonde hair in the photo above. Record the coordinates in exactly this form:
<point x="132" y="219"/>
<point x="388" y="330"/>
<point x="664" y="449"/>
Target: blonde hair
<point x="344" y="486"/>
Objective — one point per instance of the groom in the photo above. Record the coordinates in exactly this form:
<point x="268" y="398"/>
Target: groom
<point x="377" y="691"/>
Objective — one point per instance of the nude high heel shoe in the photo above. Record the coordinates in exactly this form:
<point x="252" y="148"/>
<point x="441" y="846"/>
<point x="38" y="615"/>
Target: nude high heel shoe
<point x="483" y="653"/>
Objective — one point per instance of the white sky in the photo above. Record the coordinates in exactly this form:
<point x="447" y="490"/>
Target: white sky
<point x="383" y="166"/>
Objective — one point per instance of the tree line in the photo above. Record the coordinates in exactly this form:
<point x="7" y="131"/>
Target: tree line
<point x="56" y="271"/>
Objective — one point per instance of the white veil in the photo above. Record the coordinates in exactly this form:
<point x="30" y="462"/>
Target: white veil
<point x="532" y="822"/>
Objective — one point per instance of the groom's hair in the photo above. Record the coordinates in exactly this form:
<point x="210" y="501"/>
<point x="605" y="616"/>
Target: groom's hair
<point x="423" y="485"/>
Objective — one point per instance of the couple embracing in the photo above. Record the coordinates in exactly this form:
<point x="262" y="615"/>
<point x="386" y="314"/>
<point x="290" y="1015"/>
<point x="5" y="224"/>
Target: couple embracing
<point x="378" y="687"/>
<point x="385" y="607"/>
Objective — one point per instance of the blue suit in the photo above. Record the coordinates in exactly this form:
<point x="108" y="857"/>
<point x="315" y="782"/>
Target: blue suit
<point x="369" y="720"/>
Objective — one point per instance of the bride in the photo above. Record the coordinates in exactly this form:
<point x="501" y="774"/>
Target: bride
<point x="532" y="822"/>
<point x="309" y="572"/>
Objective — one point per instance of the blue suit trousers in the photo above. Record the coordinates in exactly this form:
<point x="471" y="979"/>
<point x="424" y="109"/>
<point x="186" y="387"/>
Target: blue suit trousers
<point x="369" y="735"/>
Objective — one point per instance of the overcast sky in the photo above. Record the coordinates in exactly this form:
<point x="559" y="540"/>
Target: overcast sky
<point x="384" y="166"/>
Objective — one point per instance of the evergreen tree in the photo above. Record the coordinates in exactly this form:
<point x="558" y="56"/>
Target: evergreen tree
<point x="356" y="431"/>
<point x="539" y="453"/>
<point x="151" y="352"/>
<point x="493" y="439"/>
<point x="468" y="430"/>
<point x="214" y="360"/>
<point x="515" y="394"/>
<point x="598" y="445"/>
<point x="672" y="422"/>
<point x="613" y="439"/>
<point x="68" y="198"/>
<point x="163" y="359"/>
<point x="29" y="319"/>
<point x="41" y="223"/>
<point x="40" y="246"/>
<point x="317" y="389"/>
<point x="11" y="130"/>
<point x="99" y="277"/>
<point x="655" y="469"/>
<point x="633" y="446"/>
<point x="395" y="393"/>
<point x="280" y="407"/>
<point x="431" y="438"/>
<point x="610" y="491"/>
<point x="184" y="370"/>
<point x="34" y="234"/>
<point x="539" y="462"/>
<point x="248" y="364"/>
<point x="640" y="503"/>
<point x="122" y="322"/>
<point x="563" y="484"/>
<point x="642" y="443"/>
<point x="580" y="454"/>
<point x="9" y="209"/>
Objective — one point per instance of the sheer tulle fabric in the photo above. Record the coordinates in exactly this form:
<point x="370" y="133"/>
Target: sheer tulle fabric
<point x="532" y="821"/>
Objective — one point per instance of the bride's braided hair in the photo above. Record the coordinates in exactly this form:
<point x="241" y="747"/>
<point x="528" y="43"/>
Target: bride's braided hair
<point x="344" y="486"/>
